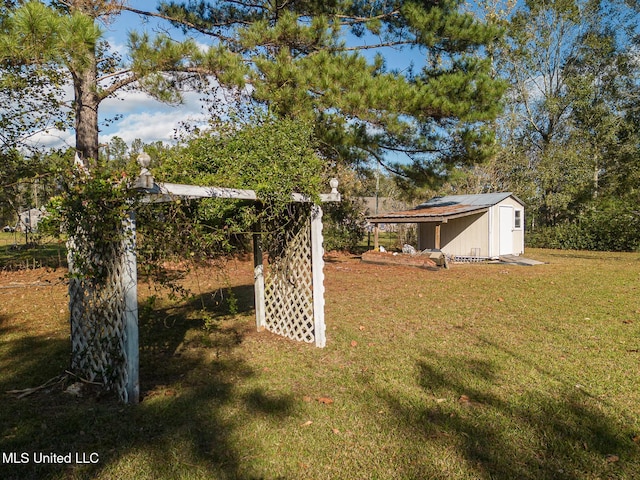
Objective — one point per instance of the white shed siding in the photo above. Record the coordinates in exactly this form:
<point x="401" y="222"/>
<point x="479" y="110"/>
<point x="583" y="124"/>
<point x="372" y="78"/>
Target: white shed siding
<point x="465" y="236"/>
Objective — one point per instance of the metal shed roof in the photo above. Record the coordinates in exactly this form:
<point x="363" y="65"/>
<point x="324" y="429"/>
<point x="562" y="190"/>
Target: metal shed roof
<point x="441" y="209"/>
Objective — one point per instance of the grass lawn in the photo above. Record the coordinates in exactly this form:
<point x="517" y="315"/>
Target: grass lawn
<point x="15" y="254"/>
<point x="476" y="372"/>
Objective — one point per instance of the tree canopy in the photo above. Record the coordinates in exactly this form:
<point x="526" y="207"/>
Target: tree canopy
<point x="295" y="60"/>
<point x="300" y="65"/>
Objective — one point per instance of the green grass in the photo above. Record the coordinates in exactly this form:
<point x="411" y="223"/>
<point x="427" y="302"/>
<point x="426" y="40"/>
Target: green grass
<point x="388" y="240"/>
<point x="16" y="254"/>
<point x="477" y="372"/>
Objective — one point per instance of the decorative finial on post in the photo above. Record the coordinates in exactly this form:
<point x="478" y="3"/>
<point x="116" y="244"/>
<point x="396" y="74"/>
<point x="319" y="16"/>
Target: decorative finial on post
<point x="145" y="179"/>
<point x="144" y="160"/>
<point x="333" y="183"/>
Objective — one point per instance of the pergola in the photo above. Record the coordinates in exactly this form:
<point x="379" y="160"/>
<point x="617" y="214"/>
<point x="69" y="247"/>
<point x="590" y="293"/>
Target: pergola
<point x="104" y="318"/>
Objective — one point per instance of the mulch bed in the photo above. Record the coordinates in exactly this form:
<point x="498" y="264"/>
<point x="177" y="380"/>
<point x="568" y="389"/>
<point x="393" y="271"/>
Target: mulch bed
<point x="388" y="258"/>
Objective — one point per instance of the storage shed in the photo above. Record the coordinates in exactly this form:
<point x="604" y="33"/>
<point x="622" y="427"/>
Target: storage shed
<point x="482" y="226"/>
<point x="29" y="219"/>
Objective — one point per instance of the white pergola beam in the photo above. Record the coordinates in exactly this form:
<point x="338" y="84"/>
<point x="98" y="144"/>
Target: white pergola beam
<point x="168" y="192"/>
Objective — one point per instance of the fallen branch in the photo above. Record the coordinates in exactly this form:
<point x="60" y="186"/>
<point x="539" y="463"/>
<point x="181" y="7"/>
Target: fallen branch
<point x="28" y="391"/>
<point x="84" y="380"/>
<point x="52" y="381"/>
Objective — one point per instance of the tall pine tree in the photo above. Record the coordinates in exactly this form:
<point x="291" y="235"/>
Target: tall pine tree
<point x="65" y="36"/>
<point x="302" y="66"/>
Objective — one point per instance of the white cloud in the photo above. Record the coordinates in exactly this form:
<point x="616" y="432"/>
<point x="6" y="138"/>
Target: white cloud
<point x="52" y="138"/>
<point x="143" y="118"/>
<point x="136" y="101"/>
<point x="148" y="119"/>
<point x="152" y="126"/>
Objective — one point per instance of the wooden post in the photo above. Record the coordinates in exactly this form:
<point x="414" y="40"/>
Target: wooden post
<point x="317" y="272"/>
<point x="130" y="283"/>
<point x="258" y="279"/>
<point x="376" y="231"/>
<point x="437" y="239"/>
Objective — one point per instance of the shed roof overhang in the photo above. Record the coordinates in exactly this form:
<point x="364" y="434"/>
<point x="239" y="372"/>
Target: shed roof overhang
<point x="429" y="215"/>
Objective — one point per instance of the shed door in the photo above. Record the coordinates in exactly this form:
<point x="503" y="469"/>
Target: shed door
<point x="506" y="231"/>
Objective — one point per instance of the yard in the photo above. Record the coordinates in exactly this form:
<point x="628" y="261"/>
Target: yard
<point x="476" y="372"/>
<point x="16" y="254"/>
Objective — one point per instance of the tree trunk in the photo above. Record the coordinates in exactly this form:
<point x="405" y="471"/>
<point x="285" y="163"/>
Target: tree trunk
<point x="596" y="177"/>
<point x="86" y="110"/>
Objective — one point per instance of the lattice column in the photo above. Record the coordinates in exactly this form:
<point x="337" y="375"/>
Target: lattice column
<point x="129" y="281"/>
<point x="294" y="300"/>
<point x="103" y="311"/>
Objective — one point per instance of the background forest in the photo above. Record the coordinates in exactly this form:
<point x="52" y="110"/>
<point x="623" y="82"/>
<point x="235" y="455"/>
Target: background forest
<point x="539" y="98"/>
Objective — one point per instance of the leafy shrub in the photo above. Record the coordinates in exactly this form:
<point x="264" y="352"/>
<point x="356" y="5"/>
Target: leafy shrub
<point x="608" y="225"/>
<point x="343" y="224"/>
<point x="274" y="157"/>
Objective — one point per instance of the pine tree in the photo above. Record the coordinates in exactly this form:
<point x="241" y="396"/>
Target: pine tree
<point x="301" y="67"/>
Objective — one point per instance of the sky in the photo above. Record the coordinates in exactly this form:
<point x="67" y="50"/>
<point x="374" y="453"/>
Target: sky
<point x="141" y="116"/>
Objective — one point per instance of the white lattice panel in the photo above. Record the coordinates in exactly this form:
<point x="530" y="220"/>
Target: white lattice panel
<point x="98" y="311"/>
<point x="289" y="284"/>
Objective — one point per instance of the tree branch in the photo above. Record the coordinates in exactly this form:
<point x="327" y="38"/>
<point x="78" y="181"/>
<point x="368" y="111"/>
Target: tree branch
<point x="356" y="20"/>
<point x="107" y="92"/>
<point x="376" y="45"/>
<point x="187" y="24"/>
<point x="383" y="164"/>
<point x="114" y="74"/>
<point x="409" y="151"/>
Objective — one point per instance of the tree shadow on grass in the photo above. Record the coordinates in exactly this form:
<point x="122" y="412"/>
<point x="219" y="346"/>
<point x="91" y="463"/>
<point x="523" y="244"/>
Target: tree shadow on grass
<point x="531" y="434"/>
<point x="187" y="421"/>
<point x="171" y="339"/>
<point x="28" y="360"/>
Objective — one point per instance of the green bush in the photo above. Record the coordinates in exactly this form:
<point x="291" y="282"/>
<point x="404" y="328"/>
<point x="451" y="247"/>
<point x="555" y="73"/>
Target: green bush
<point x="343" y="224"/>
<point x="274" y="157"/>
<point x="606" y="226"/>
